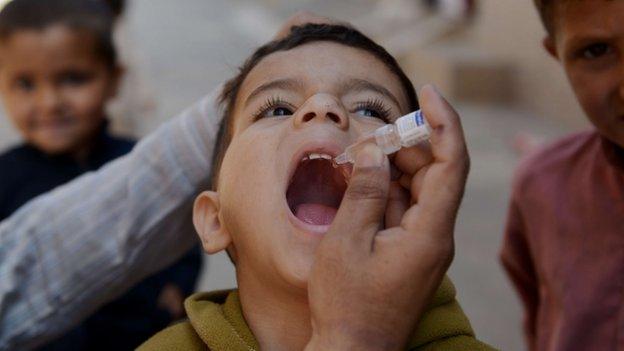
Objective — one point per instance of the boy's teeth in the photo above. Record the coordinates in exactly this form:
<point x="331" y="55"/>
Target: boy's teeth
<point x="315" y="156"/>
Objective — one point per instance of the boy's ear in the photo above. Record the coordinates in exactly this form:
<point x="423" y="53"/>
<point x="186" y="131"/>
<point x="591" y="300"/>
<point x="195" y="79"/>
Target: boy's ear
<point x="550" y="46"/>
<point x="213" y="235"/>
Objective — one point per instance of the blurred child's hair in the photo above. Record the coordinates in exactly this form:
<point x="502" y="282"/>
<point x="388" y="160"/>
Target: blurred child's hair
<point x="547" y="12"/>
<point x="298" y="36"/>
<point x="117" y="6"/>
<point x="93" y="16"/>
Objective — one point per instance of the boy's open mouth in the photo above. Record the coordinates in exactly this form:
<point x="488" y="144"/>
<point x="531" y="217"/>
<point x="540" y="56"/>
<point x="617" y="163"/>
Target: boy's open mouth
<point x="316" y="189"/>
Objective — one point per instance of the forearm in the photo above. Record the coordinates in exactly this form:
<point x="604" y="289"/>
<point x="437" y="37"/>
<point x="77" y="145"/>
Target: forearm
<point x="67" y="252"/>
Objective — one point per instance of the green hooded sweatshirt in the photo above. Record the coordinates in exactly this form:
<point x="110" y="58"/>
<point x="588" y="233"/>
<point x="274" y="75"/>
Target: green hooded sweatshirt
<point x="215" y="322"/>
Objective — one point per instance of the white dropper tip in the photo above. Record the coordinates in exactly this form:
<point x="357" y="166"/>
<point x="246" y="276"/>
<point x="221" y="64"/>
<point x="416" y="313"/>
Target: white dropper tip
<point x="341" y="159"/>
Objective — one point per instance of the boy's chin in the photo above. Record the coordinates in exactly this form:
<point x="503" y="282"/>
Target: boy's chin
<point x="53" y="148"/>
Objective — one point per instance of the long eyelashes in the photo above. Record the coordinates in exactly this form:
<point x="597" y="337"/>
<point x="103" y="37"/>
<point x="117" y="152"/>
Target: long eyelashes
<point x="270" y="103"/>
<point x="377" y="108"/>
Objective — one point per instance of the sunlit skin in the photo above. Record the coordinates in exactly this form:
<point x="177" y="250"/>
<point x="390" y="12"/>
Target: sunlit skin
<point x="588" y="40"/>
<point x="54" y="87"/>
<point x="323" y="90"/>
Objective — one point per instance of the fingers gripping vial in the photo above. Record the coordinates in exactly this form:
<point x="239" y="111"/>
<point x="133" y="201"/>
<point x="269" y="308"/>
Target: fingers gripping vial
<point x="407" y="131"/>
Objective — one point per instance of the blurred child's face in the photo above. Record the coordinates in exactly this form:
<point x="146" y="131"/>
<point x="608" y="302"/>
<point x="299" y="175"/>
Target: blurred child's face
<point x="589" y="42"/>
<point x="277" y="194"/>
<point x="54" y="87"/>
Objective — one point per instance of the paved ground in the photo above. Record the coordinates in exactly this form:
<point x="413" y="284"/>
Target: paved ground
<point x="187" y="47"/>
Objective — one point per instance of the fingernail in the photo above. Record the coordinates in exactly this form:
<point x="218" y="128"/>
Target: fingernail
<point x="370" y="156"/>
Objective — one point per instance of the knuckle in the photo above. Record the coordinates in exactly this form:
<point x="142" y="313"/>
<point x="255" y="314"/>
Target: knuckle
<point x="365" y="191"/>
<point x="332" y="263"/>
<point x="369" y="184"/>
<point x="333" y="250"/>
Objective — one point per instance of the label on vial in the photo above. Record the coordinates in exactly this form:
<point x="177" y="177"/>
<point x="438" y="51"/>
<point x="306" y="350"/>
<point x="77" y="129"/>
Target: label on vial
<point x="412" y="129"/>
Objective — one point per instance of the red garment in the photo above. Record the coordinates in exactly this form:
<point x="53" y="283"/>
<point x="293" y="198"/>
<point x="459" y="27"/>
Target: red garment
<point x="564" y="245"/>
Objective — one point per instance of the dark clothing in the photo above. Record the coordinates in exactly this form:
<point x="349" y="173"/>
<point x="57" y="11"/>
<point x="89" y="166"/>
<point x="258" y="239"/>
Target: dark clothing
<point x="25" y="173"/>
<point x="564" y="245"/>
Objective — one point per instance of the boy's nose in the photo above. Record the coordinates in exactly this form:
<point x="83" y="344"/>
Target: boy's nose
<point x="322" y="108"/>
<point x="48" y="101"/>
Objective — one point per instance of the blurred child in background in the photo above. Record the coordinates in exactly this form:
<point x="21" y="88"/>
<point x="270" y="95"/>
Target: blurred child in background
<point x="58" y="71"/>
<point x="564" y="241"/>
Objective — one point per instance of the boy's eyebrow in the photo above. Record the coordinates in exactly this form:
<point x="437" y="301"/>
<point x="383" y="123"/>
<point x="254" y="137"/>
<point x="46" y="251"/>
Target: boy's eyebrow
<point x="584" y="38"/>
<point x="359" y="85"/>
<point x="279" y="84"/>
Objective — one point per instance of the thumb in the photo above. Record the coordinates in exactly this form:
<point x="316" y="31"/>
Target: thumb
<point x="363" y="206"/>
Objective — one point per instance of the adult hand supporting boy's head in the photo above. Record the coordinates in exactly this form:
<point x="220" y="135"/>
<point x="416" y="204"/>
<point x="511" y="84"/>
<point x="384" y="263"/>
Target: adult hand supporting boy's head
<point x="369" y="284"/>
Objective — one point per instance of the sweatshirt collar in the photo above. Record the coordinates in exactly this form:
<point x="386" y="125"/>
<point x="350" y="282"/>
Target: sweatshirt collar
<point x="218" y="319"/>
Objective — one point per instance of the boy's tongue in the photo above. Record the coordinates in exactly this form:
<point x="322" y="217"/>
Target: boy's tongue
<point x="315" y="192"/>
<point x="316" y="214"/>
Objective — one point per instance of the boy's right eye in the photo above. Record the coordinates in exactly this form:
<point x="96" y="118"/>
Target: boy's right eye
<point x="279" y="111"/>
<point x="274" y="107"/>
<point x="24" y="84"/>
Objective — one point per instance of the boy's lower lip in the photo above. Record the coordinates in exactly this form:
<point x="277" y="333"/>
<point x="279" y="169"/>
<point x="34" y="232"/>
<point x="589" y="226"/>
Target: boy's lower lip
<point x="307" y="227"/>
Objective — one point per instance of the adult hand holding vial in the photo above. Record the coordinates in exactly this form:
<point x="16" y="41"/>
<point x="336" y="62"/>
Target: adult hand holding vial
<point x="390" y="244"/>
<point x="408" y="130"/>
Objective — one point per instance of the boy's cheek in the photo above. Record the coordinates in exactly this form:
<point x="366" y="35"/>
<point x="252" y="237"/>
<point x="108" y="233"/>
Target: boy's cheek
<point x="600" y="98"/>
<point x="19" y="113"/>
<point x="592" y="91"/>
<point x="244" y="168"/>
<point x="87" y="102"/>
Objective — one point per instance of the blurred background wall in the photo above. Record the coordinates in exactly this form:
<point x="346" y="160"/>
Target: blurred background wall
<point x="491" y="66"/>
<point x="510" y="30"/>
<point x="497" y="58"/>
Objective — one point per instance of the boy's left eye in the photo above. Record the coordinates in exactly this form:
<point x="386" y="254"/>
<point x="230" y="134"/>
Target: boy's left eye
<point x="25" y="84"/>
<point x="373" y="109"/>
<point x="595" y="51"/>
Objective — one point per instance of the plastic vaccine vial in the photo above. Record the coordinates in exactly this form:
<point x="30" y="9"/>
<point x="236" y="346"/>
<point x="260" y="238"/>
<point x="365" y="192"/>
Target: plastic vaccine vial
<point x="406" y="131"/>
